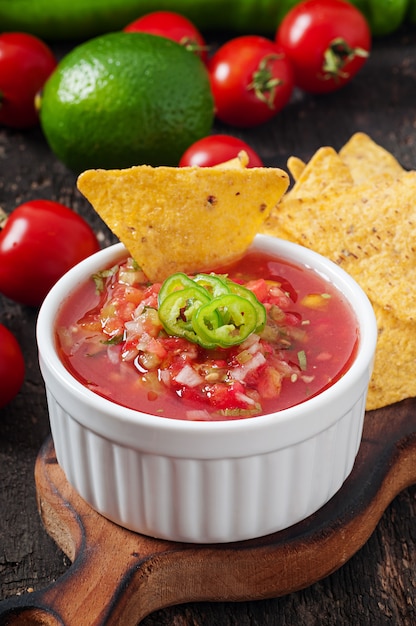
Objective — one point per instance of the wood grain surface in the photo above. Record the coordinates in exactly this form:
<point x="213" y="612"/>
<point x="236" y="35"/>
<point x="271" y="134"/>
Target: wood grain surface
<point x="377" y="585"/>
<point x="126" y="576"/>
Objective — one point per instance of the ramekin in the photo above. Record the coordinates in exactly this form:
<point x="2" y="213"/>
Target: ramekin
<point x="207" y="482"/>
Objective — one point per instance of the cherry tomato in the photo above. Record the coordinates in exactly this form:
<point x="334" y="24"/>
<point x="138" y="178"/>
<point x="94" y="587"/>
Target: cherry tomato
<point x="39" y="242"/>
<point x="216" y="149"/>
<point x="25" y="64"/>
<point x="172" y="26"/>
<point x="251" y="79"/>
<point x="327" y="41"/>
<point x="12" y="366"/>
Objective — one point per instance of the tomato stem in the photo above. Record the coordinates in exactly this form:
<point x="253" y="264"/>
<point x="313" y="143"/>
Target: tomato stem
<point x="337" y="55"/>
<point x="264" y="84"/>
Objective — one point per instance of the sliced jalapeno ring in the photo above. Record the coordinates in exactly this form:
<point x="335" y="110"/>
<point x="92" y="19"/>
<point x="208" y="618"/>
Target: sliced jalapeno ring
<point x="177" y="310"/>
<point x="249" y="295"/>
<point x="174" y="283"/>
<point x="225" y="321"/>
<point x="215" y="285"/>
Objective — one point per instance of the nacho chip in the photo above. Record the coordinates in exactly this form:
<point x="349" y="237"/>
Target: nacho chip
<point x="324" y="172"/>
<point x="368" y="232"/>
<point x="275" y="224"/>
<point x="295" y="167"/>
<point x="238" y="162"/>
<point x="365" y="159"/>
<point x="184" y="219"/>
<point x="393" y="376"/>
<point x="358" y="208"/>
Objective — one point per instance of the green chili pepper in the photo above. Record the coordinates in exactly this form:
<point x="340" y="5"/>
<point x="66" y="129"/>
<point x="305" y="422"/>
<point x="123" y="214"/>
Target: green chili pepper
<point x="261" y="315"/>
<point x="81" y="19"/>
<point x="215" y="285"/>
<point x="225" y="321"/>
<point x="384" y="16"/>
<point x="209" y="310"/>
<point x="176" y="312"/>
<point x="177" y="282"/>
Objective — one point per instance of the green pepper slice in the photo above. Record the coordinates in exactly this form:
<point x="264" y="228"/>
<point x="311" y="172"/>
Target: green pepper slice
<point x="243" y="292"/>
<point x="177" y="310"/>
<point x="215" y="285"/>
<point x="175" y="283"/>
<point x="225" y="321"/>
<point x="210" y="310"/>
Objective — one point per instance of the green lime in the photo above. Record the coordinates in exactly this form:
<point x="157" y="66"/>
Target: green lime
<point x="126" y="99"/>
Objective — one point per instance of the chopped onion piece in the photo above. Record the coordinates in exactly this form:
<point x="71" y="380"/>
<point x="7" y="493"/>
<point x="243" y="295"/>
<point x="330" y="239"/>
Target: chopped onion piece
<point x="239" y="373"/>
<point x="243" y="398"/>
<point x="188" y="376"/>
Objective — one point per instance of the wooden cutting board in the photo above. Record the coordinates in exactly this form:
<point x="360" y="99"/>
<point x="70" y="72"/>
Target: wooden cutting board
<point x="119" y="577"/>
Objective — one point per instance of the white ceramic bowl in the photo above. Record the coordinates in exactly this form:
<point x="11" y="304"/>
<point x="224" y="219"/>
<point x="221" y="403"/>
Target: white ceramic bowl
<point x="207" y="482"/>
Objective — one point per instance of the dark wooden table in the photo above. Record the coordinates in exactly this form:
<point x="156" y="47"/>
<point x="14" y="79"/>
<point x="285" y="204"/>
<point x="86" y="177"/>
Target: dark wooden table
<point x="378" y="584"/>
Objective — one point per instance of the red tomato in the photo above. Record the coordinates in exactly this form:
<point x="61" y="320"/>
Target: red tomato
<point x="327" y="41"/>
<point x="12" y="366"/>
<point x="172" y="26"/>
<point x="216" y="149"/>
<point x="25" y="64"/>
<point x="41" y="240"/>
<point x="251" y="79"/>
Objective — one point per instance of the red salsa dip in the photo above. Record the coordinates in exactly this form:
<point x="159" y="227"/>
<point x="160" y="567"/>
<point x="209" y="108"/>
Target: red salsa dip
<point x="114" y="336"/>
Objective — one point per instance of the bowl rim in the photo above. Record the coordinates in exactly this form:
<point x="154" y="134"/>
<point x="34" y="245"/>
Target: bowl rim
<point x="327" y="406"/>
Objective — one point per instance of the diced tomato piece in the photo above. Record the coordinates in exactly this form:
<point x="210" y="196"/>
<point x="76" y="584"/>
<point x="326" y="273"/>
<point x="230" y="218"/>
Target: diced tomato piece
<point x="133" y="295"/>
<point x="292" y="318"/>
<point x="156" y="347"/>
<point x="259" y="288"/>
<point x="277" y="296"/>
<point x="226" y="396"/>
<point x="269" y="383"/>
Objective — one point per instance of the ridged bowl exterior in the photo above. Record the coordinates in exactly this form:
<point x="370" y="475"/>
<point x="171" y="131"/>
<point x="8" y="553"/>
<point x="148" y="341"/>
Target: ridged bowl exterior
<point x="206" y="482"/>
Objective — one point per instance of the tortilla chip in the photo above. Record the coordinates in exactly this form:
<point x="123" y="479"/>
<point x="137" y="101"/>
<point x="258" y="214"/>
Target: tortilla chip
<point x="369" y="233"/>
<point x="275" y="225"/>
<point x="393" y="376"/>
<point x="358" y="208"/>
<point x="365" y="159"/>
<point x="295" y="167"/>
<point x="238" y="162"/>
<point x="323" y="173"/>
<point x="184" y="219"/>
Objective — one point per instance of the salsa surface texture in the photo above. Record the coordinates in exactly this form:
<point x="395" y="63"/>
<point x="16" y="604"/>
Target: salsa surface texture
<point x="111" y="339"/>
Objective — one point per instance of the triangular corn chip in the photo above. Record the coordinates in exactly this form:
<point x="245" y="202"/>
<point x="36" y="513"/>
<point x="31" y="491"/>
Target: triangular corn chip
<point x="324" y="173"/>
<point x="393" y="375"/>
<point x="184" y="219"/>
<point x="358" y="208"/>
<point x="365" y="159"/>
<point x="295" y="166"/>
<point x="239" y="162"/>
